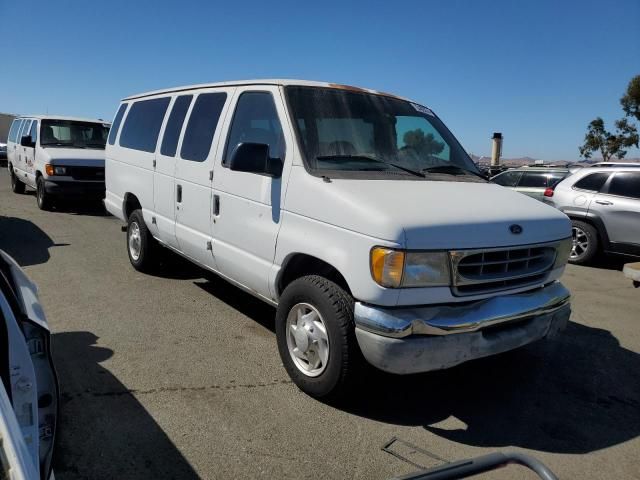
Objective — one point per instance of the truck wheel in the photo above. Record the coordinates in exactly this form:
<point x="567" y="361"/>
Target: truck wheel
<point x="585" y="243"/>
<point x="141" y="245"/>
<point x="16" y="185"/>
<point x="316" y="338"/>
<point x="42" y="197"/>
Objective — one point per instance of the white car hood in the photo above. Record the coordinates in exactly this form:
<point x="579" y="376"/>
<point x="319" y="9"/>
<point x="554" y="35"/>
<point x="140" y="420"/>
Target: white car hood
<point x="426" y="214"/>
<point x="74" y="156"/>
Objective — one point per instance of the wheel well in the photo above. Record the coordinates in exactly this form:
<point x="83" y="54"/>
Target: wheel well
<point x="300" y="265"/>
<point x="597" y="224"/>
<point x="131" y="203"/>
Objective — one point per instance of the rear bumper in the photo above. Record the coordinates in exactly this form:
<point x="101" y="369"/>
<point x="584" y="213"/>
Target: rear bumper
<point x="421" y="339"/>
<point x="75" y="188"/>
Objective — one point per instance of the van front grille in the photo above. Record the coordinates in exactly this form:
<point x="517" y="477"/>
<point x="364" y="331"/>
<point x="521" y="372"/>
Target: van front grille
<point x="484" y="271"/>
<point x="86" y="173"/>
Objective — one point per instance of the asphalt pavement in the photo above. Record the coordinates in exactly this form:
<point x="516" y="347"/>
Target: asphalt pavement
<point x="177" y="375"/>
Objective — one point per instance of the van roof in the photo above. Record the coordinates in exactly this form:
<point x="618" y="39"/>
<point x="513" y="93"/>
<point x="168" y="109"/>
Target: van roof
<point x="272" y="81"/>
<point x="62" y="117"/>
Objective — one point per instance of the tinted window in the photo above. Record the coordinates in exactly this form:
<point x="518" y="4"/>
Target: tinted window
<point x="202" y="125"/>
<point x="592" y="182"/>
<point x="625" y="185"/>
<point x="142" y="126"/>
<point x="174" y="125"/>
<point x="26" y="126"/>
<point x="555" y="178"/>
<point x="116" y="124"/>
<point x="256" y="121"/>
<point x="34" y="131"/>
<point x="13" y="132"/>
<point x="533" y="180"/>
<point x="507" y="179"/>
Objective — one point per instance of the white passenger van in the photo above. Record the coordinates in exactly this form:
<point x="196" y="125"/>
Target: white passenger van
<point x="357" y="213"/>
<point x="61" y="157"/>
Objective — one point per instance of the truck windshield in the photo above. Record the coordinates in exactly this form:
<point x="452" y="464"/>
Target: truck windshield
<point x="353" y="131"/>
<point x="73" y="134"/>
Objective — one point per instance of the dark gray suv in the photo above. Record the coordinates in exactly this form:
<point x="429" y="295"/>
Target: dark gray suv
<point x="604" y="206"/>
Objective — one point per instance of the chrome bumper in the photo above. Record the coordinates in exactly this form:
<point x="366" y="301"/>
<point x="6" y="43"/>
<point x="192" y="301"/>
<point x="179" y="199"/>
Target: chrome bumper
<point x="421" y="339"/>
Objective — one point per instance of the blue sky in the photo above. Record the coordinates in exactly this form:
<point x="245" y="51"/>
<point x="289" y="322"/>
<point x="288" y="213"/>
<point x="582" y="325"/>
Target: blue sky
<point x="538" y="71"/>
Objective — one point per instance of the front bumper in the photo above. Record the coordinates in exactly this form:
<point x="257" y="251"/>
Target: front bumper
<point x="75" y="188"/>
<point x="420" y="339"/>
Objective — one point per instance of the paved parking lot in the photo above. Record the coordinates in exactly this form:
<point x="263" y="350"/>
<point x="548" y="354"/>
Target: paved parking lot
<point x="177" y="376"/>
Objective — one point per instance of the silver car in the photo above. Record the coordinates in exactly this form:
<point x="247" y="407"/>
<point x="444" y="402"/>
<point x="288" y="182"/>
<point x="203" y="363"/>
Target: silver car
<point x="604" y="207"/>
<point x="532" y="181"/>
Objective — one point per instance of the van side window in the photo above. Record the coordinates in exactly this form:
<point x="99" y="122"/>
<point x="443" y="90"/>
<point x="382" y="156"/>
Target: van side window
<point x="256" y="121"/>
<point x="142" y="126"/>
<point x="34" y="131"/>
<point x="116" y="124"/>
<point x="26" y="126"/>
<point x="174" y="125"/>
<point x="13" y="131"/>
<point x="201" y="126"/>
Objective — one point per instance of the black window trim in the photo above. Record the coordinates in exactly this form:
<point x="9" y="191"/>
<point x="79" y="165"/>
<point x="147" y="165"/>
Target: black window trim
<point x="233" y="117"/>
<point x="605" y="188"/>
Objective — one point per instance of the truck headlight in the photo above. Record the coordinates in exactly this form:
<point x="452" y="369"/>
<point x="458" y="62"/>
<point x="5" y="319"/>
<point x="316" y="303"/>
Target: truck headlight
<point x="55" y="170"/>
<point x="395" y="268"/>
<point x="563" y="250"/>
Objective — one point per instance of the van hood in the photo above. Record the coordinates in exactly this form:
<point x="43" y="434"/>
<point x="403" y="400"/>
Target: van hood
<point x="74" y="156"/>
<point x="426" y="214"/>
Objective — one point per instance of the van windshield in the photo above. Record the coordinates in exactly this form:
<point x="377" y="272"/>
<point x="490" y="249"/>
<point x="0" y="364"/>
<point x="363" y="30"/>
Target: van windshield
<point x="73" y="134"/>
<point x="352" y="131"/>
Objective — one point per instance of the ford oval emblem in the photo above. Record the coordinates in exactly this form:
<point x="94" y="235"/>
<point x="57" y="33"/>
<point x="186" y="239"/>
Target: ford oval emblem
<point x="515" y="229"/>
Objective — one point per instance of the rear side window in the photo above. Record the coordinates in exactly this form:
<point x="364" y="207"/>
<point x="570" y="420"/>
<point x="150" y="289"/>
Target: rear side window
<point x="174" y="125"/>
<point x="625" y="185"/>
<point x="202" y="125"/>
<point x="142" y="126"/>
<point x="13" y="131"/>
<point x="507" y="179"/>
<point x="533" y="180"/>
<point x="592" y="182"/>
<point x="26" y="126"/>
<point x="256" y="121"/>
<point x="116" y="124"/>
<point x="34" y="131"/>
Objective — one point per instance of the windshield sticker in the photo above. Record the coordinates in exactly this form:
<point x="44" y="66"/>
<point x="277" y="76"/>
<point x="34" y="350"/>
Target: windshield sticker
<point x="422" y="109"/>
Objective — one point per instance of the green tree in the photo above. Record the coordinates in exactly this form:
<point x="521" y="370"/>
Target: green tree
<point x="421" y="143"/>
<point x="599" y="139"/>
<point x="631" y="99"/>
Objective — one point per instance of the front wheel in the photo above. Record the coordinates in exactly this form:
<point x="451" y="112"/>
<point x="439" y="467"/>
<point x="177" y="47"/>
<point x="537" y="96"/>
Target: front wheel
<point x="42" y="197"/>
<point x="16" y="185"/>
<point x="316" y="337"/>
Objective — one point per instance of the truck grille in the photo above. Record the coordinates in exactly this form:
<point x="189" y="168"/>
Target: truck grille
<point x="86" y="173"/>
<point x="484" y="271"/>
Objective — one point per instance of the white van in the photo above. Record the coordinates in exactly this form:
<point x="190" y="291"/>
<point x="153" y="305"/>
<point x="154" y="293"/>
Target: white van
<point x="355" y="212"/>
<point x="60" y="157"/>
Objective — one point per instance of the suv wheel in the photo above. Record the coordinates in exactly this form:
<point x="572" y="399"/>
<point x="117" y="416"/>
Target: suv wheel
<point x="16" y="185"/>
<point x="42" y="197"/>
<point x="585" y="242"/>
<point x="141" y="245"/>
<point x="316" y="337"/>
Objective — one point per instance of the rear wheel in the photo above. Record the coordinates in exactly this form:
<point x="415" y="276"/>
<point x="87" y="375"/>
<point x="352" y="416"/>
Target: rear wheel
<point x="141" y="246"/>
<point x="585" y="242"/>
<point x="16" y="185"/>
<point x="316" y="337"/>
<point x="42" y="197"/>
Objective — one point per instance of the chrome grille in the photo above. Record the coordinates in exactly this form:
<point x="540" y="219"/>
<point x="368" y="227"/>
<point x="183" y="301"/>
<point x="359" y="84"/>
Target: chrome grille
<point x="490" y="270"/>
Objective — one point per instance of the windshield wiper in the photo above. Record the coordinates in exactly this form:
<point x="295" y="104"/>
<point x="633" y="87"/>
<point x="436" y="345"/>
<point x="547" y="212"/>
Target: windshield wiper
<point x="64" y="144"/>
<point x="449" y="169"/>
<point x="371" y="159"/>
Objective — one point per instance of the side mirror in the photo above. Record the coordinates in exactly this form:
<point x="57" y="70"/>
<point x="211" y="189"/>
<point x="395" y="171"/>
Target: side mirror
<point x="254" y="158"/>
<point x="27" y="141"/>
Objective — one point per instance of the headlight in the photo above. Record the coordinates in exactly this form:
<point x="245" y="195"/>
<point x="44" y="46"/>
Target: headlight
<point x="562" y="252"/>
<point x="55" y="170"/>
<point x="394" y="268"/>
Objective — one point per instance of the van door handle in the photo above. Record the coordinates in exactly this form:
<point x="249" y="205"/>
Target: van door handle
<point x="179" y="193"/>
<point x="216" y="204"/>
<point x="604" y="202"/>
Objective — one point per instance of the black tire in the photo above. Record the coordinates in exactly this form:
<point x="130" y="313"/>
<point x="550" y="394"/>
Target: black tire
<point x="42" y="197"/>
<point x="585" y="243"/>
<point x="16" y="185"/>
<point x="146" y="259"/>
<point x="335" y="306"/>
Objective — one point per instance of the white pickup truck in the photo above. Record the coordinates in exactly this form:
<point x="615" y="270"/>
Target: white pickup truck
<point x="357" y="213"/>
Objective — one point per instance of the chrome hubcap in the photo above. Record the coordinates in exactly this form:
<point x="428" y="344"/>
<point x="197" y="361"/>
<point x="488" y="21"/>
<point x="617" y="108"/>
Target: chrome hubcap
<point x="134" y="240"/>
<point x="580" y="243"/>
<point x="307" y="339"/>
